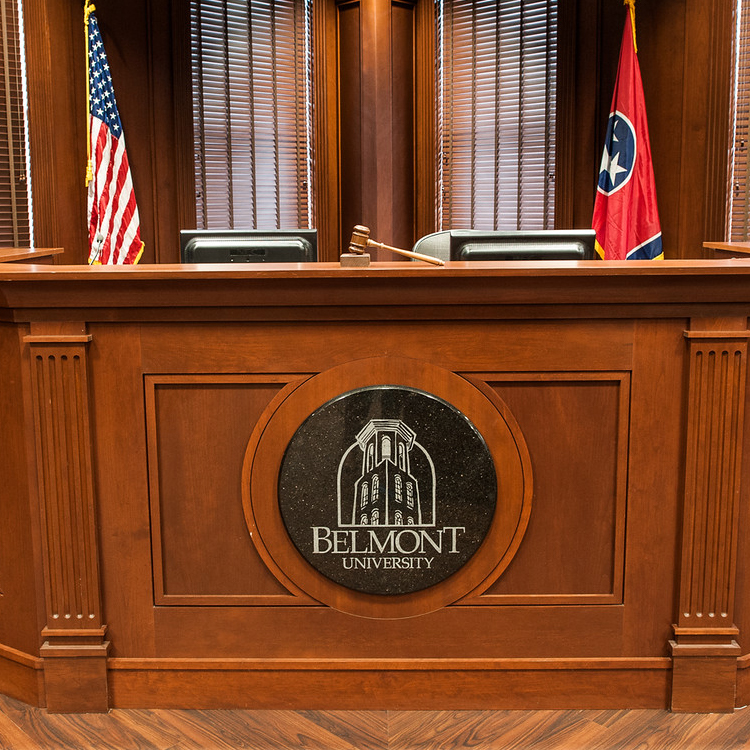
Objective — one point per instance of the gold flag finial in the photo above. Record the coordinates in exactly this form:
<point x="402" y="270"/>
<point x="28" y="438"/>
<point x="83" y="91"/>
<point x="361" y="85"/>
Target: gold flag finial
<point x="631" y="7"/>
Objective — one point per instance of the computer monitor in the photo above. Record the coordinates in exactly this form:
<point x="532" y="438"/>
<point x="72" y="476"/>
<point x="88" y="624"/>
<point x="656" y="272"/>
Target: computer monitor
<point x="552" y="244"/>
<point x="248" y="245"/>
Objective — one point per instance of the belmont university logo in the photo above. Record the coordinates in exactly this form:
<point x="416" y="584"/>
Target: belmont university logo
<point x="387" y="489"/>
<point x="392" y="491"/>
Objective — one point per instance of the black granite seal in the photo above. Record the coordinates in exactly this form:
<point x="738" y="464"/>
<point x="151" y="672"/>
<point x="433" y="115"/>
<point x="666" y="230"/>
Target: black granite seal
<point x="387" y="489"/>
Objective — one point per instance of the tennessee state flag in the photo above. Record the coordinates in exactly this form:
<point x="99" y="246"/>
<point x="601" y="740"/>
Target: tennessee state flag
<point x="626" y="217"/>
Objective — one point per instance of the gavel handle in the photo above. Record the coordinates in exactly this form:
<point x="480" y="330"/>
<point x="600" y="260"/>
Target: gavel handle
<point x="407" y="253"/>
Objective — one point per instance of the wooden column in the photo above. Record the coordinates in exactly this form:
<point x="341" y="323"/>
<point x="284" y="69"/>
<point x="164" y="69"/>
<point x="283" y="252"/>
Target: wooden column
<point x="705" y="649"/>
<point x="376" y="40"/>
<point x="74" y="649"/>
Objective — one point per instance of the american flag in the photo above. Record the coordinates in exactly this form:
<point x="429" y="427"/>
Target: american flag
<point x="114" y="226"/>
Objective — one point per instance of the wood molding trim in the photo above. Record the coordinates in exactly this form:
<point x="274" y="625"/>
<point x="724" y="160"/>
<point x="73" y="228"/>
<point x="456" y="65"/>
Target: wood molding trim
<point x="74" y="634"/>
<point x="425" y="154"/>
<point x="718" y="120"/>
<point x="326" y="170"/>
<point x="705" y="649"/>
<point x="183" y="124"/>
<point x="566" y="116"/>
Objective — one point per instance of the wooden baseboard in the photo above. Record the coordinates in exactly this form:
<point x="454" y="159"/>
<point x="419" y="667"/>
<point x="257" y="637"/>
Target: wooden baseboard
<point x="557" y="686"/>
<point x="21" y="676"/>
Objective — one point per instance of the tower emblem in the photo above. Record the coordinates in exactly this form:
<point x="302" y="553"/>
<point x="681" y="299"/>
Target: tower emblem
<point x="390" y="490"/>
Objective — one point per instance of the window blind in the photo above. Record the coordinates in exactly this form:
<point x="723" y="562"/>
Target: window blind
<point x="738" y="229"/>
<point x="496" y="113"/>
<point x="15" y="195"/>
<point x="252" y="101"/>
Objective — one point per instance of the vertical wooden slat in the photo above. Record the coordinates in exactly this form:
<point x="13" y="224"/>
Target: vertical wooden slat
<point x="326" y="170"/>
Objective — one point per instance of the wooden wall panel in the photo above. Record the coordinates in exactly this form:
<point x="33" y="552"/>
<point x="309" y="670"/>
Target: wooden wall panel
<point x="21" y="617"/>
<point x="403" y="189"/>
<point x="199" y="428"/>
<point x="121" y="480"/>
<point x="57" y="110"/>
<point x="709" y="33"/>
<point x="576" y="427"/>
<point x="326" y="124"/>
<point x="479" y="346"/>
<point x="323" y="636"/>
<point x="654" y="490"/>
<point x="137" y="37"/>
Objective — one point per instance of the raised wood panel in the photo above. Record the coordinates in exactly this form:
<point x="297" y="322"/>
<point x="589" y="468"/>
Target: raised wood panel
<point x="576" y="426"/>
<point x="198" y="428"/>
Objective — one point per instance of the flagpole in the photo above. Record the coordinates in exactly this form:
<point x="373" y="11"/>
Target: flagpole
<point x="87" y="11"/>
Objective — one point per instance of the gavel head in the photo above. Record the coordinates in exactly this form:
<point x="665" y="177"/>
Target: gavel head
<point x="358" y="242"/>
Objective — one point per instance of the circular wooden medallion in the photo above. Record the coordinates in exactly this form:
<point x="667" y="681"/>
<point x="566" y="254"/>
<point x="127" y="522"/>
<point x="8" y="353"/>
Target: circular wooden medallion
<point x="387" y="487"/>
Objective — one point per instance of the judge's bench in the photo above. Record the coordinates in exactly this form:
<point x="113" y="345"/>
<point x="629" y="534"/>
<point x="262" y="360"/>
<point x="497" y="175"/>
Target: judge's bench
<point x="483" y="485"/>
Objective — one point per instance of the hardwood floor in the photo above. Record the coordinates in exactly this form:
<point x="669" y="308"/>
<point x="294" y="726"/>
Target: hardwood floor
<point x="25" y="728"/>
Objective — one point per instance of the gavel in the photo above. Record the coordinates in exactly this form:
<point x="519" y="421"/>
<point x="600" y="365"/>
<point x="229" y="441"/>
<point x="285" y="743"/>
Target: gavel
<point x="361" y="241"/>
